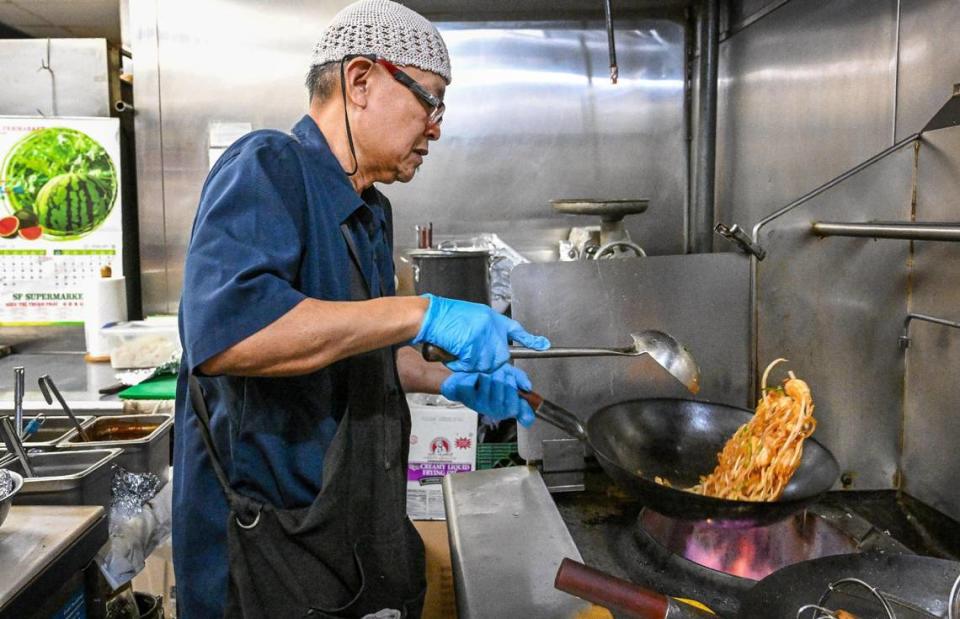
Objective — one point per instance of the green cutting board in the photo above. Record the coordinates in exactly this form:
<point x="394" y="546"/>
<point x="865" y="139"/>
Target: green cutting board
<point x="160" y="388"/>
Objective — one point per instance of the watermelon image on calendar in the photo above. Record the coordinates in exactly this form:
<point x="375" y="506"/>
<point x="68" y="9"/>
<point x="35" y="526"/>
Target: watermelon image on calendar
<point x="64" y="178"/>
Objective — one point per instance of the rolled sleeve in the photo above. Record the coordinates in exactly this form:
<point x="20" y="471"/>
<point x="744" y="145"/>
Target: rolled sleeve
<point x="243" y="261"/>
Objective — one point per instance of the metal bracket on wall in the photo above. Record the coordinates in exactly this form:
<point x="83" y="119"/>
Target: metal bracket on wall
<point x="905" y="337"/>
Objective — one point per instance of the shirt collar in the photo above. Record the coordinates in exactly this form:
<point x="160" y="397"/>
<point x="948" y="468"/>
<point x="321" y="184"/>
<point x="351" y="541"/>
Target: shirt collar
<point x="345" y="200"/>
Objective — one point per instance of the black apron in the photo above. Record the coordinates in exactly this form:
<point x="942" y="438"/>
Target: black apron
<point x="352" y="552"/>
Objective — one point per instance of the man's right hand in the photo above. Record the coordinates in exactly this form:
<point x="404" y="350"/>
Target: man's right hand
<point x="474" y="333"/>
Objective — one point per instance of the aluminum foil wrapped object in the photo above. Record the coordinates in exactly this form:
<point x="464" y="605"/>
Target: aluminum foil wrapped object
<point x="6" y="483"/>
<point x="140" y="519"/>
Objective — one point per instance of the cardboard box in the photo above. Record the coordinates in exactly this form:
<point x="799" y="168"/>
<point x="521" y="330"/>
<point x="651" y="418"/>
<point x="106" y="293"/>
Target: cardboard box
<point x="441" y="600"/>
<point x="157" y="577"/>
<point x="443" y="440"/>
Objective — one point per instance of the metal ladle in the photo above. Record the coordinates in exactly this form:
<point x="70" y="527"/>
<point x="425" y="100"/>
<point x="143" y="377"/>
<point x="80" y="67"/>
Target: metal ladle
<point x="662" y="348"/>
<point x="46" y="386"/>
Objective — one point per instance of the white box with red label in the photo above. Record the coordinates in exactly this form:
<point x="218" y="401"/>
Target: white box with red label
<point x="443" y="439"/>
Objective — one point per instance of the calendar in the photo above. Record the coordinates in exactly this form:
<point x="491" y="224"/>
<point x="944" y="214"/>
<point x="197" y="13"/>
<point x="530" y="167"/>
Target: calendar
<point x="60" y="215"/>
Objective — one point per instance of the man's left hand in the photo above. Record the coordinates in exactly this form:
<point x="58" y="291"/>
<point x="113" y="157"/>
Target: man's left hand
<point x="496" y="395"/>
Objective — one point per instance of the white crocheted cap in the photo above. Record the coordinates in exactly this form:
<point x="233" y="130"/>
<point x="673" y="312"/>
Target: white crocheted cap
<point x="387" y="29"/>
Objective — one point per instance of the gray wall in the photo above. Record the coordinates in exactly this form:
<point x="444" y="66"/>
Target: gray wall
<point x="79" y="85"/>
<point x="808" y="89"/>
<point x="531" y="116"/>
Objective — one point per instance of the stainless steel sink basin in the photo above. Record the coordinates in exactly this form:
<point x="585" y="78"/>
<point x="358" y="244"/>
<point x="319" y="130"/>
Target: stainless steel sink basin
<point x="53" y="430"/>
<point x="145" y="440"/>
<point x="75" y="477"/>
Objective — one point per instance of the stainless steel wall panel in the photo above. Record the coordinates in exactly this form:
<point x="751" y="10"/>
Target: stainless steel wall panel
<point x="219" y="61"/>
<point x="929" y="60"/>
<point x="532" y="116"/>
<point x="805" y="93"/>
<point x="146" y="93"/>
<point x="701" y="299"/>
<point x="808" y="91"/>
<point x="834" y="308"/>
<point x="931" y="460"/>
<point x="79" y="85"/>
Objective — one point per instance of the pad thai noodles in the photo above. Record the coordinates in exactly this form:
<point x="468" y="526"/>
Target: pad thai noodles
<point x="758" y="461"/>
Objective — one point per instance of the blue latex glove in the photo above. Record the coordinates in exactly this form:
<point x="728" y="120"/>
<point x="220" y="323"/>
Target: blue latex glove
<point x="495" y="395"/>
<point x="474" y="333"/>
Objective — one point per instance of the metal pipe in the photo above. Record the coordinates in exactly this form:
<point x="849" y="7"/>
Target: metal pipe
<point x="831" y="184"/>
<point x="910" y="231"/>
<point x="905" y="336"/>
<point x="611" y="45"/>
<point x="703" y="215"/>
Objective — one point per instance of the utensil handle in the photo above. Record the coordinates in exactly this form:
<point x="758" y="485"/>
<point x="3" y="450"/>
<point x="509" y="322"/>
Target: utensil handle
<point x="435" y="353"/>
<point x="45" y="381"/>
<point x="617" y="594"/>
<point x="595" y="586"/>
<point x="555" y="415"/>
<point x="10" y="438"/>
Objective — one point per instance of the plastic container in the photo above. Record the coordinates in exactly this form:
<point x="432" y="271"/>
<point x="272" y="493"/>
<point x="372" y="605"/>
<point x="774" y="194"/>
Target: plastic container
<point x="496" y="455"/>
<point x="143" y="343"/>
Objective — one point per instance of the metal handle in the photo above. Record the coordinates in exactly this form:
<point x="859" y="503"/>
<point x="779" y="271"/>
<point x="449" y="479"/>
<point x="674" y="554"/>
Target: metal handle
<point x="555" y="415"/>
<point x="435" y="353"/>
<point x="18" y="388"/>
<point x="14" y="445"/>
<point x="46" y="382"/>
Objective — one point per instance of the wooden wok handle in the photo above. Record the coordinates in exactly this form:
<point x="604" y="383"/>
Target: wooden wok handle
<point x="435" y="353"/>
<point x="620" y="595"/>
<point x="606" y="590"/>
<point x="555" y="415"/>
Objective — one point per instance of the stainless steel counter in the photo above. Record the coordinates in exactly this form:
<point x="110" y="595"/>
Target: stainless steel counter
<point x="42" y="550"/>
<point x="507" y="541"/>
<point x="77" y="380"/>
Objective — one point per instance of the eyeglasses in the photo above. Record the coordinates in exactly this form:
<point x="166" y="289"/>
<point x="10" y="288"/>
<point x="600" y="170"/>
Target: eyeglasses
<point x="435" y="106"/>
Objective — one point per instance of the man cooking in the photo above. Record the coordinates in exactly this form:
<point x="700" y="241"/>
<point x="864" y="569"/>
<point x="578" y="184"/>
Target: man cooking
<point x="292" y="426"/>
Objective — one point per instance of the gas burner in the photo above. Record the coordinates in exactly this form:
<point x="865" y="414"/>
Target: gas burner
<point x="749" y="553"/>
<point x="715" y="564"/>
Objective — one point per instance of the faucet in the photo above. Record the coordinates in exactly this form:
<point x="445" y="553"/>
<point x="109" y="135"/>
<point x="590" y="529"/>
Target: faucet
<point x="905" y="336"/>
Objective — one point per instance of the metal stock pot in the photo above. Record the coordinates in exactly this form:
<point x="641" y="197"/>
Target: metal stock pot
<point x="456" y="273"/>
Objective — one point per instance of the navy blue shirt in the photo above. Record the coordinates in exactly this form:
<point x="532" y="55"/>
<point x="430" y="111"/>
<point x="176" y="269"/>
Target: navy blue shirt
<point x="266" y="236"/>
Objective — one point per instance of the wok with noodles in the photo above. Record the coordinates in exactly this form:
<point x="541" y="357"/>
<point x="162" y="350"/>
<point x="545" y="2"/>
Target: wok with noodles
<point x="758" y="461"/>
<point x="637" y="441"/>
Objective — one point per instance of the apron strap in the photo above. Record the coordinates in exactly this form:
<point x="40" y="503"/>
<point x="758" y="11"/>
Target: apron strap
<point x="238" y="502"/>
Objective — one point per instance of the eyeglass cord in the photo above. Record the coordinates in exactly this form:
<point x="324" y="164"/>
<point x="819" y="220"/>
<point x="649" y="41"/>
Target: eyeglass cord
<point x="346" y="120"/>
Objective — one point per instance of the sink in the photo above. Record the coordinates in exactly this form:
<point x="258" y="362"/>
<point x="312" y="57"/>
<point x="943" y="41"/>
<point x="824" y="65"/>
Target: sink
<point x="75" y="477"/>
<point x="53" y="430"/>
<point x="145" y="440"/>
